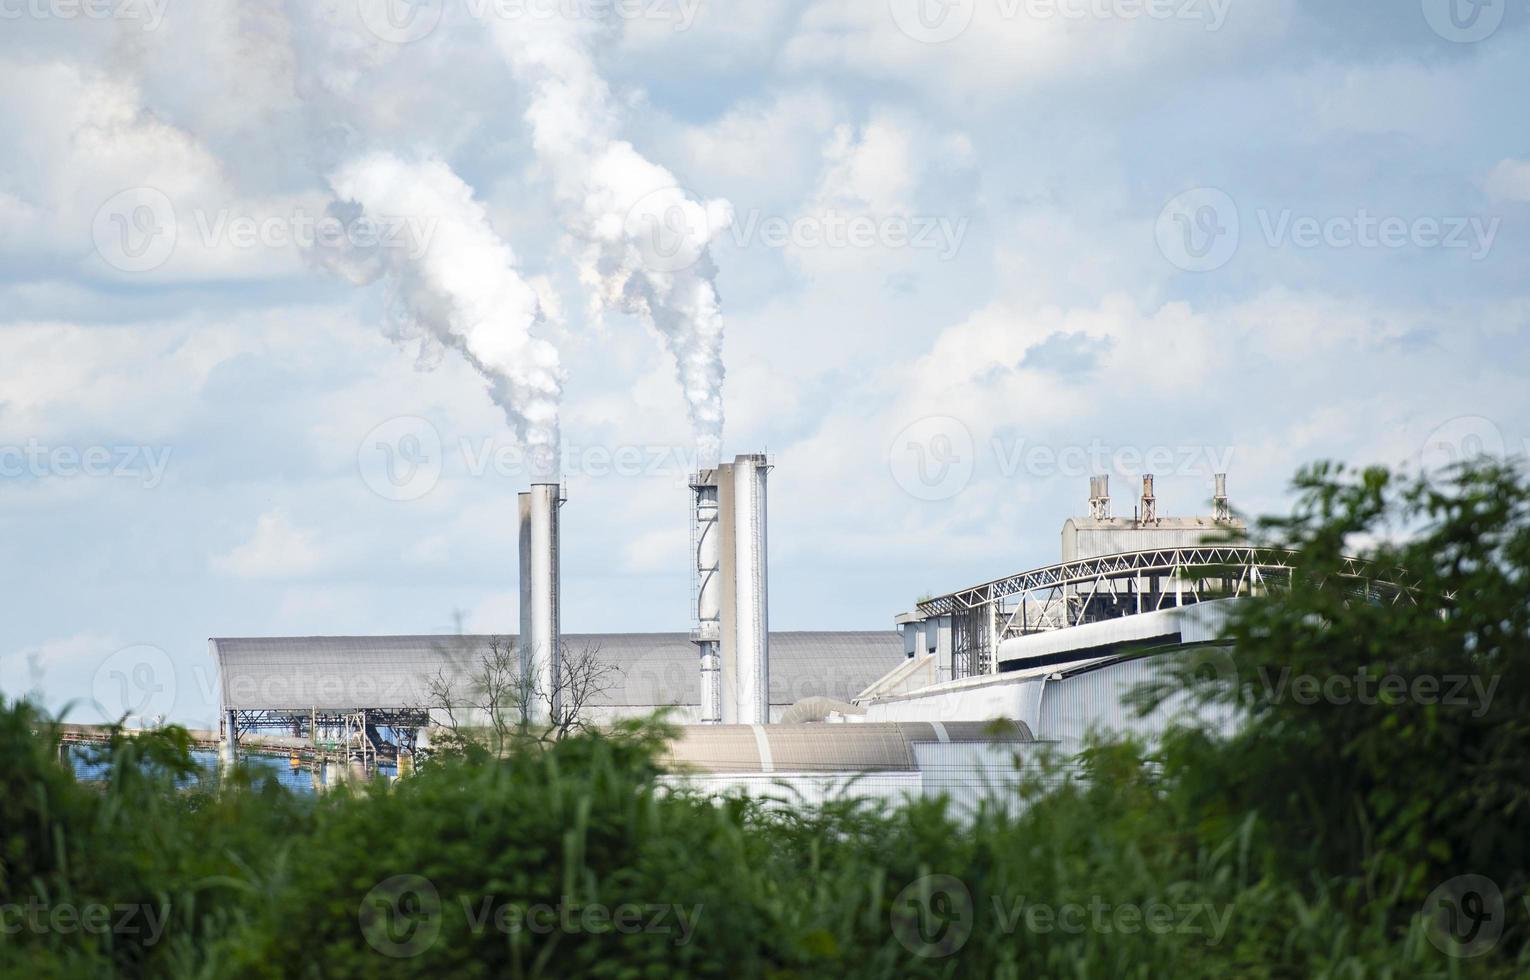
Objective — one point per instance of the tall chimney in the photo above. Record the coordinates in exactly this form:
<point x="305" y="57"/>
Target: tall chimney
<point x="709" y="588"/>
<point x="1149" y="502"/>
<point x="751" y="621"/>
<point x="1221" y="510"/>
<point x="539" y="642"/>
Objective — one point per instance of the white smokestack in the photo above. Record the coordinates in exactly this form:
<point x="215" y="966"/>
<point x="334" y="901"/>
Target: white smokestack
<point x="751" y="621"/>
<point x="645" y="240"/>
<point x="540" y="640"/>
<point x="708" y="594"/>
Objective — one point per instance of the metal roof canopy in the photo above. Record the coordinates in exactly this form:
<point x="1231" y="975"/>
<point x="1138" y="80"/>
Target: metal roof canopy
<point x="331" y="673"/>
<point x="807" y="748"/>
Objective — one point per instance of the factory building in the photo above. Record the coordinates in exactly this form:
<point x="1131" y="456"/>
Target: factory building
<point x="1049" y="653"/>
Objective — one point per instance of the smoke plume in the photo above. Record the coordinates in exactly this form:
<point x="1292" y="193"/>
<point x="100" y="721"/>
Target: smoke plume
<point x="645" y="240"/>
<point x="457" y="281"/>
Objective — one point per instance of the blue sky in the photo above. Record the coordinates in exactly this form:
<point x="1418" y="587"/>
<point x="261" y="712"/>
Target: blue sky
<point x="977" y="250"/>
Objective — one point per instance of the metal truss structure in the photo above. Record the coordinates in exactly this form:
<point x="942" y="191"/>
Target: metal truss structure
<point x="365" y="734"/>
<point x="1106" y="587"/>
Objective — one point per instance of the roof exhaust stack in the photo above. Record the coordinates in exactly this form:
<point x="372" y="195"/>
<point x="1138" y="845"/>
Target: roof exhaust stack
<point x="1149" y="509"/>
<point x="1221" y="510"/>
<point x="1099" y="498"/>
<point x="540" y="639"/>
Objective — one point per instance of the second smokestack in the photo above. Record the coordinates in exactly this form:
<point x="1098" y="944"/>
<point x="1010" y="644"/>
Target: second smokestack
<point x="751" y="583"/>
<point x="540" y="639"/>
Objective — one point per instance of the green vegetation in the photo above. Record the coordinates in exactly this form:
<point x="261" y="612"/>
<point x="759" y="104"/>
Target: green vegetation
<point x="1326" y="837"/>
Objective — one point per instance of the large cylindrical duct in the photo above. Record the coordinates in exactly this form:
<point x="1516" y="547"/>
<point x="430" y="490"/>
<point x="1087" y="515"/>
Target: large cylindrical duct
<point x="708" y="540"/>
<point x="751" y="622"/>
<point x="540" y="642"/>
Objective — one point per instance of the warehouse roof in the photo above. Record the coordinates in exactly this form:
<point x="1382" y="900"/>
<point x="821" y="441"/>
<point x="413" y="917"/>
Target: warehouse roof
<point x="651" y="669"/>
<point x="862" y="746"/>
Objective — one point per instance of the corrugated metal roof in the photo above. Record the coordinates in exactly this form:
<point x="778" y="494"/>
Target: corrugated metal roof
<point x="860" y="746"/>
<point x="652" y="669"/>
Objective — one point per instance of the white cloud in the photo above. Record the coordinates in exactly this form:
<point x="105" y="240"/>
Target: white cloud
<point x="277" y="549"/>
<point x="1509" y="181"/>
<point x="1011" y="49"/>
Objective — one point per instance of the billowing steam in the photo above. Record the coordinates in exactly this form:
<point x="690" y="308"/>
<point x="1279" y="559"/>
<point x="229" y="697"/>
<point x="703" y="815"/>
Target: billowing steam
<point x="645" y="240"/>
<point x="457" y="282"/>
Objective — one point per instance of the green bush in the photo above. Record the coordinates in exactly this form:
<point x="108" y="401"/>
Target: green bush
<point x="1303" y="844"/>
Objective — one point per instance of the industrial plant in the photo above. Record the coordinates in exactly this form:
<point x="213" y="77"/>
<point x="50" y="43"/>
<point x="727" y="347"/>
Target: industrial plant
<point x="949" y="701"/>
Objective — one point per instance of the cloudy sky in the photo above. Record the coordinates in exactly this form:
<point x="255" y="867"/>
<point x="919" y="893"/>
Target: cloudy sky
<point x="286" y="291"/>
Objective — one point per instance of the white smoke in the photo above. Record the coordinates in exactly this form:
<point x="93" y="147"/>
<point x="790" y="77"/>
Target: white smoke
<point x="646" y="241"/>
<point x="456" y="280"/>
